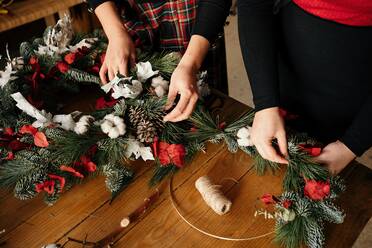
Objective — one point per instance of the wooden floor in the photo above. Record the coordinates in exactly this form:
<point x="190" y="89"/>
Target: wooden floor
<point x="85" y="211"/>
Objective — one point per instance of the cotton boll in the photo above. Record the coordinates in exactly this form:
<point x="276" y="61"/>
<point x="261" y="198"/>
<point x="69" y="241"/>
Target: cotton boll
<point x="160" y="91"/>
<point x="114" y="133"/>
<point x="160" y="81"/>
<point x="244" y="132"/>
<point x="106" y="126"/>
<point x="244" y="142"/>
<point x="83" y="124"/>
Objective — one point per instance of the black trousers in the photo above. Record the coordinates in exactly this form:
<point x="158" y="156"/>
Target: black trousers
<point x="325" y="73"/>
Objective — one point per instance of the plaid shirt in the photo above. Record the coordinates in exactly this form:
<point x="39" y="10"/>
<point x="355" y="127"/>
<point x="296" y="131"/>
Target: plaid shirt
<point x="158" y="24"/>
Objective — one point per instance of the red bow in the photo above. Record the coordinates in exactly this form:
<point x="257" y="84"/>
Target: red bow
<point x="317" y="190"/>
<point x="311" y="150"/>
<point x="169" y="153"/>
<point x="101" y="103"/>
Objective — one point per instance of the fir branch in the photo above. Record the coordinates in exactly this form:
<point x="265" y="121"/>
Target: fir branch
<point x="291" y="234"/>
<point x="162" y="172"/>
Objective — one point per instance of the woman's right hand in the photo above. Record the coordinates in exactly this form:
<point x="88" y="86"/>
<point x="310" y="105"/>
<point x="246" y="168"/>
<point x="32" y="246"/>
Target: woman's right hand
<point x="269" y="125"/>
<point x="120" y="54"/>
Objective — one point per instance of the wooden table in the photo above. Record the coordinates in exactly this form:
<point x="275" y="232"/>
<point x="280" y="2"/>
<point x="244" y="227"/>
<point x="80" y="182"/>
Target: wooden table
<point x="86" y="209"/>
<point x="26" y="11"/>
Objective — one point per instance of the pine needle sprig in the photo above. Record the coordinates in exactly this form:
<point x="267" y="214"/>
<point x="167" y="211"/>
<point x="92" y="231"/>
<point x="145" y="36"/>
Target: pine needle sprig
<point x="161" y="172"/>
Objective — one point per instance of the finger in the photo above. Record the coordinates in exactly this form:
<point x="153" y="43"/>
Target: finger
<point x="111" y="74"/>
<point x="178" y="110"/>
<point x="133" y="59"/>
<point x="188" y="110"/>
<point x="282" y="143"/>
<point x="172" y="94"/>
<point x="102" y="73"/>
<point x="123" y="68"/>
<point x="272" y="154"/>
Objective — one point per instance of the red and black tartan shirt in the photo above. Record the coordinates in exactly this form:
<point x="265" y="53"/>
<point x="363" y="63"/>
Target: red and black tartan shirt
<point x="158" y="24"/>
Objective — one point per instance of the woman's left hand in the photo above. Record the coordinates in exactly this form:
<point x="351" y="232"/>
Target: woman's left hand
<point x="335" y="156"/>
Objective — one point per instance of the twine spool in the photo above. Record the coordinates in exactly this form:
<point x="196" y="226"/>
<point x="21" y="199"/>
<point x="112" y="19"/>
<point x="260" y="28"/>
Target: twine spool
<point x="213" y="196"/>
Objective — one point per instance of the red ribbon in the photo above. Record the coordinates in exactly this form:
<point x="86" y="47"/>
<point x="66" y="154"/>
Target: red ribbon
<point x="311" y="150"/>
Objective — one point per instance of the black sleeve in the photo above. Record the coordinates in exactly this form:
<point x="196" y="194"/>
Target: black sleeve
<point x="358" y="138"/>
<point x="257" y="34"/>
<point x="93" y="4"/>
<point x="211" y="17"/>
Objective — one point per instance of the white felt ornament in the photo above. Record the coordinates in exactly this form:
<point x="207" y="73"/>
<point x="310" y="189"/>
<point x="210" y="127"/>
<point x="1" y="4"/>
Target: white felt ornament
<point x="66" y="121"/>
<point x="113" y="126"/>
<point x="7" y="75"/>
<point x="213" y="196"/>
<point x="137" y="149"/>
<point x="244" y="136"/>
<point x="144" y="71"/>
<point x="43" y="119"/>
<point x="123" y="87"/>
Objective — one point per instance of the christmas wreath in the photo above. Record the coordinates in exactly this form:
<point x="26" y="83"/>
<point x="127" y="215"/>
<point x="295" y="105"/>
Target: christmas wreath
<point x="48" y="153"/>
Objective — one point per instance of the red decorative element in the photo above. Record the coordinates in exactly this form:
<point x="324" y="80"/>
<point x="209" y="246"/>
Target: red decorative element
<point x="87" y="163"/>
<point x="193" y="129"/>
<point x="268" y="199"/>
<point x="317" y="190"/>
<point x="287" y="203"/>
<point x="171" y="153"/>
<point x="70" y="58"/>
<point x="101" y="103"/>
<point x="47" y="186"/>
<point x="155" y="145"/>
<point x="8" y="131"/>
<point x="10" y="156"/>
<point x="71" y="170"/>
<point x="29" y="129"/>
<point x="62" y="180"/>
<point x="16" y="145"/>
<point x="62" y="67"/>
<point x="222" y="125"/>
<point x="286" y="115"/>
<point x="40" y="140"/>
<point x="311" y="150"/>
<point x="33" y="60"/>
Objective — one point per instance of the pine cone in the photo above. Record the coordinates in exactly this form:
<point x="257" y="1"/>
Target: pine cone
<point x="146" y="131"/>
<point x="136" y="115"/>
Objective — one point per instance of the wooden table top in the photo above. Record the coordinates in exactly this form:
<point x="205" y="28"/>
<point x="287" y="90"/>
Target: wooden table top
<point x="86" y="209"/>
<point x="26" y="11"/>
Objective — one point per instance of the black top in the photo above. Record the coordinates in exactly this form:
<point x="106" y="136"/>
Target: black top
<point x="320" y="69"/>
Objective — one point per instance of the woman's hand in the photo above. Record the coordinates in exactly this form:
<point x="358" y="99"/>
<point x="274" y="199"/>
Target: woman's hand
<point x="120" y="51"/>
<point x="335" y="156"/>
<point x="269" y="125"/>
<point x="120" y="54"/>
<point x="183" y="82"/>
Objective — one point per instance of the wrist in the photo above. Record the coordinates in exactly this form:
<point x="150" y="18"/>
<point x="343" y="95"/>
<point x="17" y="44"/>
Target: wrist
<point x="271" y="110"/>
<point x="346" y="150"/>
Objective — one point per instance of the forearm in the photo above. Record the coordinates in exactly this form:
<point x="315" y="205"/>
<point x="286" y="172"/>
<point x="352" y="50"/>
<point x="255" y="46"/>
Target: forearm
<point x="358" y="138"/>
<point x="110" y="20"/>
<point x="210" y="19"/>
<point x="195" y="52"/>
<point x="257" y="34"/>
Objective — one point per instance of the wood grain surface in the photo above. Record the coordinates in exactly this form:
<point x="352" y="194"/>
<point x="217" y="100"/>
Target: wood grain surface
<point x="26" y="11"/>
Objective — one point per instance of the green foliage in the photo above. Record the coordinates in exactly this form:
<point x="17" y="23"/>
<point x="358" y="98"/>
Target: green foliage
<point x="117" y="177"/>
<point x="82" y="76"/>
<point x="161" y="172"/>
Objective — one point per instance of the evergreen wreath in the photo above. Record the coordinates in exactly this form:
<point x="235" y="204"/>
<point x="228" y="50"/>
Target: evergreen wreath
<point x="48" y="153"/>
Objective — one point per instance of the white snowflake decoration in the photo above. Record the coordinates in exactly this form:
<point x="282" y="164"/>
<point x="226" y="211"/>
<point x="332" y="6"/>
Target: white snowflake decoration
<point x="7" y="75"/>
<point x="123" y="87"/>
<point x="43" y="118"/>
<point x="144" y="71"/>
<point x="137" y="149"/>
